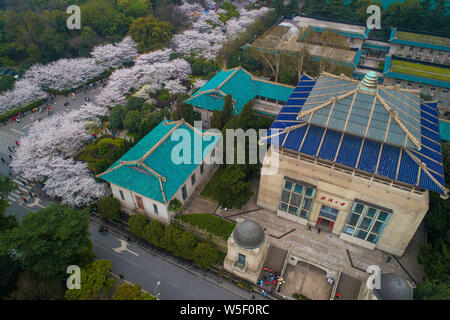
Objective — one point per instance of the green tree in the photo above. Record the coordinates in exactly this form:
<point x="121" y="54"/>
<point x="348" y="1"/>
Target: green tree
<point x="205" y="255"/>
<point x="103" y="148"/>
<point x="134" y="103"/>
<point x="95" y="282"/>
<point x="9" y="269"/>
<point x="175" y="205"/>
<point x="109" y="208"/>
<point x="6" y="82"/>
<point x="433" y="290"/>
<point x="135" y="8"/>
<point x="154" y="233"/>
<point x="7" y="222"/>
<point x="131" y="292"/>
<point x="117" y="116"/>
<point x="227" y="110"/>
<point x="216" y="120"/>
<point x="137" y="223"/>
<point x="231" y="188"/>
<point x="49" y="240"/>
<point x="248" y="117"/>
<point x="150" y="34"/>
<point x="132" y="121"/>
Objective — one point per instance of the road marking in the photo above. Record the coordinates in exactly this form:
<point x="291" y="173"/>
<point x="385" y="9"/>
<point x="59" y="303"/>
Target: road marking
<point x="120" y="256"/>
<point x="194" y="295"/>
<point x="123" y="247"/>
<point x="17" y="131"/>
<point x="173" y="284"/>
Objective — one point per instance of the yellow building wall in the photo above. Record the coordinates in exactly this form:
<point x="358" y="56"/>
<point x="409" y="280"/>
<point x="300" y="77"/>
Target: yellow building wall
<point x="408" y="210"/>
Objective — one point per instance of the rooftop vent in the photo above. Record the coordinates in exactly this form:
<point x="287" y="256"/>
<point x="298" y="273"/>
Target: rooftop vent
<point x="370" y="81"/>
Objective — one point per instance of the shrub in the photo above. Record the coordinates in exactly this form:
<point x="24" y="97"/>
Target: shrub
<point x="131" y="292"/>
<point x="147" y="108"/>
<point x="103" y="148"/>
<point x="176" y="206"/>
<point x="109" y="208"/>
<point x="205" y="255"/>
<point x="137" y="223"/>
<point x="154" y="232"/>
<point x="185" y="245"/>
<point x="170" y="240"/>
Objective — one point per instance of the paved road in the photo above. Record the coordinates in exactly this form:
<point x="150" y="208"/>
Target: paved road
<point x="11" y="133"/>
<point x="146" y="269"/>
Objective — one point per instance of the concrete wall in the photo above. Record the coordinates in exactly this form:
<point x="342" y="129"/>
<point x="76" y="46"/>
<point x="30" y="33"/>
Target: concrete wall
<point x="408" y="209"/>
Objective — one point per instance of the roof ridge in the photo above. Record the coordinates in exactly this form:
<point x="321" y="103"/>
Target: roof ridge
<point x="424" y="168"/>
<point x="394" y="114"/>
<point x="228" y="78"/>
<point x="254" y="78"/>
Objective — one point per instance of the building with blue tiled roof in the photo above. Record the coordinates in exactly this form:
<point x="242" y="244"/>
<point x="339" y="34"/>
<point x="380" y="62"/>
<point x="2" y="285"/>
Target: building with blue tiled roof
<point x="357" y="159"/>
<point x="268" y="97"/>
<point x="159" y="169"/>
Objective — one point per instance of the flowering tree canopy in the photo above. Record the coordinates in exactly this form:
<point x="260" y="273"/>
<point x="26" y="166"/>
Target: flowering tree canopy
<point x="111" y="55"/>
<point x="45" y="154"/>
<point x="23" y="92"/>
<point x="153" y="68"/>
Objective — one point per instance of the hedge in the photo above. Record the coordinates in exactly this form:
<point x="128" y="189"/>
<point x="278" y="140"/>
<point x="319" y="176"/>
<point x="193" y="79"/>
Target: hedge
<point x="26" y="108"/>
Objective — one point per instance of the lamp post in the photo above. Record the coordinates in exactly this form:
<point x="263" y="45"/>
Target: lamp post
<point x="157" y="297"/>
<point x="159" y="282"/>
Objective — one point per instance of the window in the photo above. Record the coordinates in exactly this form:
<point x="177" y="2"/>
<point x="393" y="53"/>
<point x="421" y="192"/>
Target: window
<point x="193" y="179"/>
<point x="202" y="168"/>
<point x="296" y="199"/>
<point x="328" y="212"/>
<point x="140" y="203"/>
<point x="241" y="261"/>
<point x="155" y="208"/>
<point x="184" y="192"/>
<point x="121" y="195"/>
<point x="366" y="222"/>
<point x="421" y="86"/>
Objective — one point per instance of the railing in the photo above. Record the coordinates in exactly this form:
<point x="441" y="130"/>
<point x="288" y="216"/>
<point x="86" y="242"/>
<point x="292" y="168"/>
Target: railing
<point x="204" y="234"/>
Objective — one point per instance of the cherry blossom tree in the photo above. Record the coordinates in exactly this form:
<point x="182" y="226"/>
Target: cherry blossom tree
<point x="114" y="55"/>
<point x="23" y="92"/>
<point x="45" y="154"/>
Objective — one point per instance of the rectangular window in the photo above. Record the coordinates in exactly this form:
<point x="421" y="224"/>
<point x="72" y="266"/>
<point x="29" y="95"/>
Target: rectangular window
<point x="121" y="195"/>
<point x="366" y="221"/>
<point x="140" y="203"/>
<point x="155" y="208"/>
<point x="296" y="199"/>
<point x="241" y="261"/>
<point x="202" y="168"/>
<point x="193" y="179"/>
<point x="184" y="192"/>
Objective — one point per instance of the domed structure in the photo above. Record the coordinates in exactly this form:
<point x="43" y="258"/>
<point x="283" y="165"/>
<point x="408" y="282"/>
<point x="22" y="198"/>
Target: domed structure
<point x="248" y="235"/>
<point x="393" y="287"/>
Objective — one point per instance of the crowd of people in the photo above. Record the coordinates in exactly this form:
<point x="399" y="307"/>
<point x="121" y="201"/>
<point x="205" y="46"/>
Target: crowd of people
<point x="269" y="281"/>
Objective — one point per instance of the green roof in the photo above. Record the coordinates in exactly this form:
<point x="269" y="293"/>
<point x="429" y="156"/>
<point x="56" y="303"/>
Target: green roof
<point x="241" y="85"/>
<point x="425" y="38"/>
<point x="421" y="70"/>
<point x="140" y="180"/>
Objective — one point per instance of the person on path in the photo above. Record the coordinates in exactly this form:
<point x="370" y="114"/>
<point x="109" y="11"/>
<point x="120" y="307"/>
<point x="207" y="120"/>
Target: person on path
<point x="3" y="160"/>
<point x="9" y="148"/>
<point x="17" y="143"/>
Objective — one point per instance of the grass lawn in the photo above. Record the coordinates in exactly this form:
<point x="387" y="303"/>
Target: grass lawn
<point x="420" y="70"/>
<point x="416" y="37"/>
<point x="210" y="223"/>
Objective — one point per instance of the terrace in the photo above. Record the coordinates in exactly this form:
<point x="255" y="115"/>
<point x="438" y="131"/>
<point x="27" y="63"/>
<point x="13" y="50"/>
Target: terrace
<point x="420" y="70"/>
<point x="423" y="38"/>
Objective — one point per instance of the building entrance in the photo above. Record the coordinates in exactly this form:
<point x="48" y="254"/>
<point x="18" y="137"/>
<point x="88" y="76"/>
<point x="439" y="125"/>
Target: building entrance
<point x="325" y="223"/>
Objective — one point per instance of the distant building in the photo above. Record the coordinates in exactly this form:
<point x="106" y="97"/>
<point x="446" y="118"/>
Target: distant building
<point x="420" y="61"/>
<point x="147" y="177"/>
<point x="357" y="159"/>
<point x="268" y="97"/>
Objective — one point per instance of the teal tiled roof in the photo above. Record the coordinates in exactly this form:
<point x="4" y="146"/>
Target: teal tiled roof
<point x="241" y="85"/>
<point x="141" y="181"/>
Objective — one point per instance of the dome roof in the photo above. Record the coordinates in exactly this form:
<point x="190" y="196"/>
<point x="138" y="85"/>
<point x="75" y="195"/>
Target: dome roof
<point x="248" y="235"/>
<point x="393" y="287"/>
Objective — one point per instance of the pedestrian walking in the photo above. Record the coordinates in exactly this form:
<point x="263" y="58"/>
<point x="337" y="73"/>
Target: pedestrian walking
<point x="10" y="157"/>
<point x="309" y="228"/>
<point x="17" y="143"/>
<point x="389" y="258"/>
<point x="318" y="230"/>
<point x="9" y="148"/>
<point x="3" y="160"/>
<point x="121" y="276"/>
<point x="31" y="195"/>
<point x="24" y="199"/>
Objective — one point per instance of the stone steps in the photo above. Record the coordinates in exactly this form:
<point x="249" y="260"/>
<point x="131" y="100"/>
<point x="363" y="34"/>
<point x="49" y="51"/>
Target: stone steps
<point x="348" y="287"/>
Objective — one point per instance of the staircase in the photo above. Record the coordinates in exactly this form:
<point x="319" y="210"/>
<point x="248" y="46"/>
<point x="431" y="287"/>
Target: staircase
<point x="275" y="259"/>
<point x="348" y="287"/>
